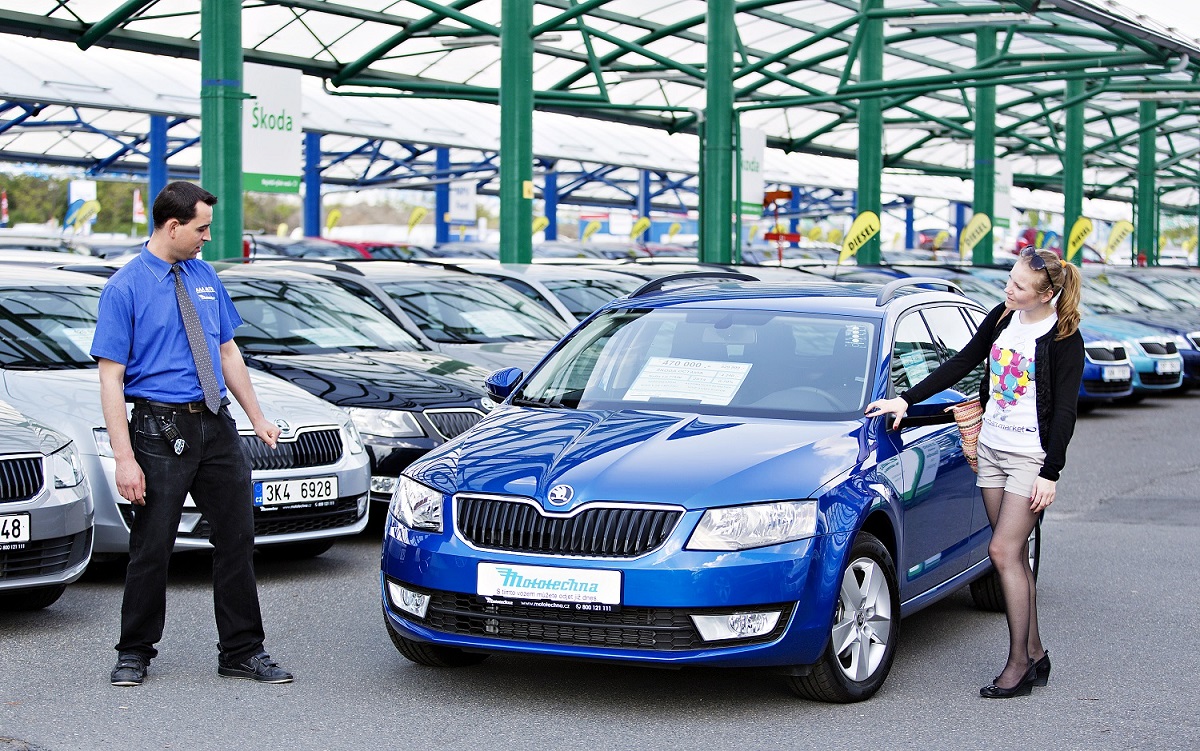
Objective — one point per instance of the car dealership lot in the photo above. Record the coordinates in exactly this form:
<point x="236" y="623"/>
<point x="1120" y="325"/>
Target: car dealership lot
<point x="1115" y="598"/>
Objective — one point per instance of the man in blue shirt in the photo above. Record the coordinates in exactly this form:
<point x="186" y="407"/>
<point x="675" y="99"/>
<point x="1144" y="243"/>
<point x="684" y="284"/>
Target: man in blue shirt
<point x="164" y="341"/>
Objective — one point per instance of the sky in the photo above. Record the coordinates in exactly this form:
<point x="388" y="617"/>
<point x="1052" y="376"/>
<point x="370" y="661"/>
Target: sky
<point x="1182" y="14"/>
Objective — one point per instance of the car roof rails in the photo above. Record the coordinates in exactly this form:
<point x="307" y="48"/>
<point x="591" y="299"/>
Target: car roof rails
<point x="891" y="288"/>
<point x="656" y="284"/>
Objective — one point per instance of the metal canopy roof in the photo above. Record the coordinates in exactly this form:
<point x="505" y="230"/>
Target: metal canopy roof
<point x="643" y="61"/>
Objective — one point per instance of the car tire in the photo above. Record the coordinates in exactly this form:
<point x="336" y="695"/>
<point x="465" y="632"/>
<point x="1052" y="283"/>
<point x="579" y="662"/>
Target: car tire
<point x="866" y="627"/>
<point x="294" y="551"/>
<point x="986" y="590"/>
<point x="432" y="655"/>
<point x="34" y="598"/>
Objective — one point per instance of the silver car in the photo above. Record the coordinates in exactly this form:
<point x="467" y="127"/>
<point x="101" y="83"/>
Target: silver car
<point x="45" y="513"/>
<point x="308" y="491"/>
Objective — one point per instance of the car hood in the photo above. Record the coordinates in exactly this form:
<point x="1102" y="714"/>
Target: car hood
<point x="69" y="400"/>
<point x="381" y="380"/>
<point x="696" y="461"/>
<point x="523" y="355"/>
<point x="20" y="434"/>
<point x="1117" y="327"/>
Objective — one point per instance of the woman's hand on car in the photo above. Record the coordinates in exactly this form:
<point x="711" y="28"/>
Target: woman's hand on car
<point x="895" y="406"/>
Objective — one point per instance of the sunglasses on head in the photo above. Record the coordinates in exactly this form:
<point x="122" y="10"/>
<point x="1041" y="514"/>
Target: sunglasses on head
<point x="1037" y="263"/>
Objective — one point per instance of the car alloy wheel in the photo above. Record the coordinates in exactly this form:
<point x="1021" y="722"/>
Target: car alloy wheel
<point x="862" y="627"/>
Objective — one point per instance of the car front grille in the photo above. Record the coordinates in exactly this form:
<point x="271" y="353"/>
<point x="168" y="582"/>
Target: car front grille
<point x="602" y="531"/>
<point x="649" y="629"/>
<point x="45" y="557"/>
<point x="1159" y="379"/>
<point x="282" y="521"/>
<point x="1153" y="347"/>
<point x="1105" y="354"/>
<point x="20" y="478"/>
<point x="452" y="422"/>
<point x="1106" y="387"/>
<point x="311" y="448"/>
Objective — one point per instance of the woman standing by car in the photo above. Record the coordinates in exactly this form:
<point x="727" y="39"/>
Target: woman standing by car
<point x="1035" y="358"/>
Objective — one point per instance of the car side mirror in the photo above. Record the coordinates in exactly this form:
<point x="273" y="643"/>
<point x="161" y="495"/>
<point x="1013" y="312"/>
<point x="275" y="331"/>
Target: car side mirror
<point x="501" y="383"/>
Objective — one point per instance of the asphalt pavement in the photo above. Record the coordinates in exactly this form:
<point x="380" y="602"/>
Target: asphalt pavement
<point x="1117" y="602"/>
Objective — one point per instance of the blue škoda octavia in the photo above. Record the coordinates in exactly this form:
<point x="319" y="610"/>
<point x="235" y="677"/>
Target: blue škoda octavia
<point x="688" y="479"/>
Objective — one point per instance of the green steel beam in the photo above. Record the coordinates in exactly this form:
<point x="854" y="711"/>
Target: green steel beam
<point x="516" y="132"/>
<point x="563" y="18"/>
<point x="1066" y="103"/>
<point x="345" y="11"/>
<point x="1073" y="160"/>
<point x="221" y="121"/>
<point x="1147" y="210"/>
<point x="354" y="68"/>
<point x="984" y="174"/>
<point x="870" y="127"/>
<point x="717" y="161"/>
<point x="637" y="46"/>
<point x="98" y="30"/>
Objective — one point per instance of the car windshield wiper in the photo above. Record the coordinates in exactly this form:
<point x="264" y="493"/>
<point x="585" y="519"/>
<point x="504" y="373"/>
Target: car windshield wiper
<point x="45" y="365"/>
<point x="524" y="401"/>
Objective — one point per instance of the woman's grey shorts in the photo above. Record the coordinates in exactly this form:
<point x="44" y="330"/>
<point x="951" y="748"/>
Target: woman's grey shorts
<point x="1009" y="470"/>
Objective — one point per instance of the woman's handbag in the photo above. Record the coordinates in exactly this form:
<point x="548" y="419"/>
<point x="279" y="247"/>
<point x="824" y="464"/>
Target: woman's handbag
<point x="969" y="416"/>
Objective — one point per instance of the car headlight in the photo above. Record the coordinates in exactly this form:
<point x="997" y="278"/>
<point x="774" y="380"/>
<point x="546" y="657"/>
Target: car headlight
<point x="351" y="437"/>
<point x="416" y="506"/>
<point x="103" y="446"/>
<point x="66" y="467"/>
<point x="1182" y="342"/>
<point x="742" y="527"/>
<point x="388" y="423"/>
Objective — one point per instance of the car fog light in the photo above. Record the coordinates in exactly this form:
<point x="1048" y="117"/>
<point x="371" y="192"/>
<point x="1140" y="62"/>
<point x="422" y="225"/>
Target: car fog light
<point x="383" y="485"/>
<point x="362" y="504"/>
<point x="407" y="600"/>
<point x="735" y="625"/>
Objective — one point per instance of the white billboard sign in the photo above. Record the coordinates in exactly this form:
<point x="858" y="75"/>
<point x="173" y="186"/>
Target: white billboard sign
<point x="272" y="156"/>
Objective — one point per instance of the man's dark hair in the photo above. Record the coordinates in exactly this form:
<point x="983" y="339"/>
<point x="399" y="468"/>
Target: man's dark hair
<point x="178" y="201"/>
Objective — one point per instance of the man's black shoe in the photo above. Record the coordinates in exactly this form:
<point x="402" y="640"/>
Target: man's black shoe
<point x="259" y="667"/>
<point x="130" y="671"/>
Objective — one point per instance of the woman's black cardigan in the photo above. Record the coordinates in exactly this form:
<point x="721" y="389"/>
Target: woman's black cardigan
<point x="1059" y="366"/>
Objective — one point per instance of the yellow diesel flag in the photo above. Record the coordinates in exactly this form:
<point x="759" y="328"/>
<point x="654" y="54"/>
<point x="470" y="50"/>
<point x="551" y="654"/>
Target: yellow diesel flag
<point x="1079" y="234"/>
<point x="673" y="230"/>
<point x="332" y="218"/>
<point x="640" y="226"/>
<point x="815" y="234"/>
<point x="975" y="231"/>
<point x="1119" y="233"/>
<point x="864" y="228"/>
<point x="281" y="229"/>
<point x="540" y="223"/>
<point x="418" y="213"/>
<point x="940" y="239"/>
<point x="590" y="229"/>
<point x="86" y="212"/>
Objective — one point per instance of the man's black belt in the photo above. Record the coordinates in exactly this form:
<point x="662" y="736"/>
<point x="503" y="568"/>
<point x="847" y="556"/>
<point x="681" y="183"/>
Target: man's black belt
<point x="192" y="407"/>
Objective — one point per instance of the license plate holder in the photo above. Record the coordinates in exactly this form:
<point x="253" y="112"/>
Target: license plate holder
<point x="1166" y="367"/>
<point x="1116" y="373"/>
<point x="547" y="586"/>
<point x="14" y="528"/>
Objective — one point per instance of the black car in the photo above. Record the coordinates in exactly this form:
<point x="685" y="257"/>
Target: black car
<point x="403" y="398"/>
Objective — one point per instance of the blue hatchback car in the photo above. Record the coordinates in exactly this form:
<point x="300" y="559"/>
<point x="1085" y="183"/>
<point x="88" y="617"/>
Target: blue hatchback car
<point x="688" y="479"/>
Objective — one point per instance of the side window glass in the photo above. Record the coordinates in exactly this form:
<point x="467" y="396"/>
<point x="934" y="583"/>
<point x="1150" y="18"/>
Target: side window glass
<point x="951" y="333"/>
<point x="975" y="317"/>
<point x="914" y="354"/>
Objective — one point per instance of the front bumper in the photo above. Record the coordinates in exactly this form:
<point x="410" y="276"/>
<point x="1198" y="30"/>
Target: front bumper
<point x="660" y="592"/>
<point x="60" y="545"/>
<point x="1146" y="376"/>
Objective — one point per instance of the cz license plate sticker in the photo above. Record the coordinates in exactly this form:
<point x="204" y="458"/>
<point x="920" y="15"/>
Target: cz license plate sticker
<point x="1166" y="367"/>
<point x="1116" y="373"/>
<point x="544" y="586"/>
<point x="14" y="528"/>
<point x="291" y="492"/>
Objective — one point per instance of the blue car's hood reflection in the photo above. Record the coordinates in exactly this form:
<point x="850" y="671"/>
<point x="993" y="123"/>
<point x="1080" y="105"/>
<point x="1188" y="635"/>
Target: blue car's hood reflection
<point x="696" y="461"/>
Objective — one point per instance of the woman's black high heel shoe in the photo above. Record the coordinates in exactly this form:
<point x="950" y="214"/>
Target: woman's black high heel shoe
<point x="1024" y="686"/>
<point x="1043" y="670"/>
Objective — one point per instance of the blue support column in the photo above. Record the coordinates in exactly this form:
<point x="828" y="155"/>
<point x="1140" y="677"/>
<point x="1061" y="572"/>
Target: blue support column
<point x="643" y="196"/>
<point x="550" y="203"/>
<point x="312" y="184"/>
<point x="794" y="211"/>
<point x="960" y="221"/>
<point x="910" y="222"/>
<point x="441" y="196"/>
<point x="157" y="168"/>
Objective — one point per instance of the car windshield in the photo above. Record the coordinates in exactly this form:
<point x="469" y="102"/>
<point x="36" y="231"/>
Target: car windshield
<point x="711" y="361"/>
<point x="47" y="327"/>
<point x="310" y="248"/>
<point x="287" y="317"/>
<point x="1139" y="293"/>
<point x="1103" y="299"/>
<point x="473" y="310"/>
<point x="583" y="296"/>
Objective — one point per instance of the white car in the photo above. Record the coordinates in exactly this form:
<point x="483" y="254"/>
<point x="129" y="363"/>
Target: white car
<point x="308" y="491"/>
<point x="45" y="513"/>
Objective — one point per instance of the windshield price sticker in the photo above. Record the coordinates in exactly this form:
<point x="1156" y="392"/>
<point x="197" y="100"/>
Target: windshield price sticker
<point x="81" y="338"/>
<point x="291" y="492"/>
<point x="1116" y="373"/>
<point x="1164" y="367"/>
<point x="704" y="381"/>
<point x="14" y="528"/>
<point x="546" y="584"/>
<point x="496" y="323"/>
